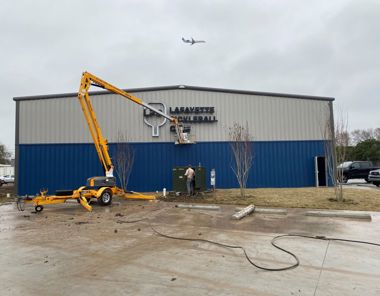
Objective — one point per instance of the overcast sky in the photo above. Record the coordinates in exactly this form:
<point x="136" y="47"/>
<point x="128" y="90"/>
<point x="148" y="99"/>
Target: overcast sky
<point x="322" y="48"/>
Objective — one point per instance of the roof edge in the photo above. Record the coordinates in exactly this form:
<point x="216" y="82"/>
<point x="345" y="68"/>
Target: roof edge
<point x="182" y="87"/>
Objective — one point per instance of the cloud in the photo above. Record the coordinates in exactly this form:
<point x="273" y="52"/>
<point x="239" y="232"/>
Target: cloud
<point x="327" y="48"/>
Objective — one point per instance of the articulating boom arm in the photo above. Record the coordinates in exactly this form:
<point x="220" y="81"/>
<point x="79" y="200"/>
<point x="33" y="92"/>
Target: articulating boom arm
<point x="100" y="142"/>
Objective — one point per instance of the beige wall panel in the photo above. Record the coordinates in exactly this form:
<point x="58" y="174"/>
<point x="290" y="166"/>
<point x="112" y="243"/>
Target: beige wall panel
<point x="60" y="120"/>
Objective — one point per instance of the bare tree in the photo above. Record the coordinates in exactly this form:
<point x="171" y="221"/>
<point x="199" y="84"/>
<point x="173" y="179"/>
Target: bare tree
<point x="376" y="133"/>
<point x="329" y="149"/>
<point x="361" y="135"/>
<point x="336" y="140"/>
<point x="5" y="156"/>
<point x="342" y="140"/>
<point x="241" y="147"/>
<point x="123" y="160"/>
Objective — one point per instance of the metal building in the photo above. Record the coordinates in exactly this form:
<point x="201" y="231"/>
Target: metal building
<point x="54" y="149"/>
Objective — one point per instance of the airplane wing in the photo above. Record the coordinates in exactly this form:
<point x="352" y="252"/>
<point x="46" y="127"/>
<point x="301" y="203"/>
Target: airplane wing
<point x="192" y="41"/>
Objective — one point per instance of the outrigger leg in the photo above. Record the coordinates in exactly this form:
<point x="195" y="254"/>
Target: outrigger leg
<point x="83" y="201"/>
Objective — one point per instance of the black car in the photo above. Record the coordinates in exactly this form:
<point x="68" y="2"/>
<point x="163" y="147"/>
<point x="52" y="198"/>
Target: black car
<point x="355" y="170"/>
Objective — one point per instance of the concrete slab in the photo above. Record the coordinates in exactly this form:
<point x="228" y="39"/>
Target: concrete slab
<point x="198" y="207"/>
<point x="244" y="212"/>
<point x="68" y="251"/>
<point x="266" y="211"/>
<point x="360" y="184"/>
<point x="341" y="214"/>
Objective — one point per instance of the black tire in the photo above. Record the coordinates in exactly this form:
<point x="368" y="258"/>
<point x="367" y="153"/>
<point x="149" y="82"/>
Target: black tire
<point x="38" y="208"/>
<point x="106" y="198"/>
<point x="377" y="184"/>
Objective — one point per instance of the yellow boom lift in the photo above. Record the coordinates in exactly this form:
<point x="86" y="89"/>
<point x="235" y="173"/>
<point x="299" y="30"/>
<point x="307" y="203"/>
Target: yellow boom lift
<point x="102" y="188"/>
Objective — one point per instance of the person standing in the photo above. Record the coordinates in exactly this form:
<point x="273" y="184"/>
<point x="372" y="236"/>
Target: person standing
<point x="190" y="174"/>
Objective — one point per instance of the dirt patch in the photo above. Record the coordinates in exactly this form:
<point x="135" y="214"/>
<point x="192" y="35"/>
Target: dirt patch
<point x="4" y="190"/>
<point x="314" y="198"/>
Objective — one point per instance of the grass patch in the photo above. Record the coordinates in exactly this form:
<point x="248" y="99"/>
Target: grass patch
<point x="313" y="198"/>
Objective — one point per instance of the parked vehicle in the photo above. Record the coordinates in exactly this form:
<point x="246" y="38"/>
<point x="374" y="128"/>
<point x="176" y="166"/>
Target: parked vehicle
<point x="7" y="179"/>
<point x="374" y="177"/>
<point x="355" y="170"/>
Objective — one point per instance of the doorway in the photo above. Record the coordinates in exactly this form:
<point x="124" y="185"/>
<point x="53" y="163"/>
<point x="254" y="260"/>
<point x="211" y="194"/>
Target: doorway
<point x="320" y="171"/>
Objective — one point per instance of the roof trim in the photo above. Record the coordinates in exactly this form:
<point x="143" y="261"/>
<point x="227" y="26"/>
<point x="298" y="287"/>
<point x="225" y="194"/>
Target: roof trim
<point x="181" y="87"/>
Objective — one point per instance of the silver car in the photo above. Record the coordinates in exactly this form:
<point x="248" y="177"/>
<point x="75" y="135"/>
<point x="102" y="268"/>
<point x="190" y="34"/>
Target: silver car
<point x="7" y="179"/>
<point x="374" y="177"/>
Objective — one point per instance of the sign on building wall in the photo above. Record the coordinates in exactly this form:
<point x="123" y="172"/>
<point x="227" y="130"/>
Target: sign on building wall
<point x="194" y="114"/>
<point x="189" y="114"/>
<point x="154" y="120"/>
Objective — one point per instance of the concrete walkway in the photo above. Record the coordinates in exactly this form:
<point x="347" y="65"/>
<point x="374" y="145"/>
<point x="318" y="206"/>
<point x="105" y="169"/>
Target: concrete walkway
<point x="68" y="251"/>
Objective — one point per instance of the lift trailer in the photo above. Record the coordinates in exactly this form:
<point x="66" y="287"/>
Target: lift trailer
<point x="102" y="187"/>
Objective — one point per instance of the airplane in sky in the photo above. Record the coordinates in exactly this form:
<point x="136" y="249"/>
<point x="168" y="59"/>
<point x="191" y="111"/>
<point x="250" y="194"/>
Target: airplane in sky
<point x="192" y="41"/>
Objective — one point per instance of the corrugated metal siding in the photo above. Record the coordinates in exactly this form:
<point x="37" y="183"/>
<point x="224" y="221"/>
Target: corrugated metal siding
<point x="67" y="166"/>
<point x="270" y="118"/>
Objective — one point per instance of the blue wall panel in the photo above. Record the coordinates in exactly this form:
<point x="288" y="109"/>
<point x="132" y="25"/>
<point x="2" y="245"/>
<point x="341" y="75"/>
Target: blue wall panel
<point x="67" y="166"/>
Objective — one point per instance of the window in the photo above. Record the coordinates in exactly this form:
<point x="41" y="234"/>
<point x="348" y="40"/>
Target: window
<point x="365" y="164"/>
<point x="355" y="165"/>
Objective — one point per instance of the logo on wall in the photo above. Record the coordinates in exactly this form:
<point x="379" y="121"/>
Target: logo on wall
<point x="154" y="120"/>
<point x="194" y="114"/>
<point x="183" y="114"/>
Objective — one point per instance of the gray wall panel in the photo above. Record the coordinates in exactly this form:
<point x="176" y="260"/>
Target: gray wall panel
<point x="60" y="120"/>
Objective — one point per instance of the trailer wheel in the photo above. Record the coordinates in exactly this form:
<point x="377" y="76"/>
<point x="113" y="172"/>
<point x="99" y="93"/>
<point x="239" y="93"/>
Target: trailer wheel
<point x="38" y="208"/>
<point x="106" y="198"/>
